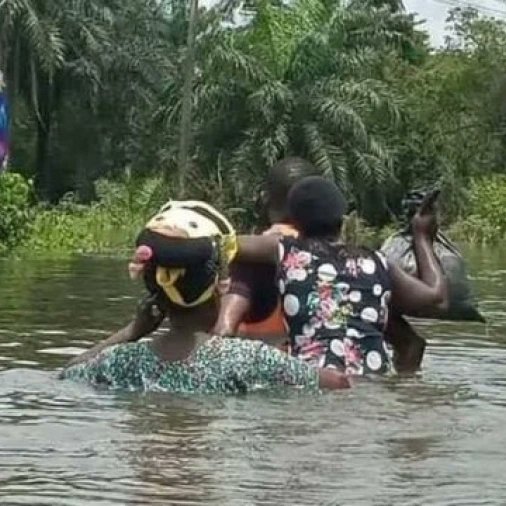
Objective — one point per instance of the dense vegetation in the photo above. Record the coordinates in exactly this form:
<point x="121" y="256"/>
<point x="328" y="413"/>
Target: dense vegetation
<point x="96" y="86"/>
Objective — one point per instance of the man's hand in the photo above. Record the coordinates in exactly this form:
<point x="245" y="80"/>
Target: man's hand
<point x="424" y="222"/>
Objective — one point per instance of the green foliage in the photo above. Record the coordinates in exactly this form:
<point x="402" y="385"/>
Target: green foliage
<point x="487" y="201"/>
<point x="96" y="85"/>
<point x="83" y="74"/>
<point x="108" y="225"/>
<point x="357" y="232"/>
<point x="303" y="78"/>
<point x="485" y="218"/>
<point x="15" y="196"/>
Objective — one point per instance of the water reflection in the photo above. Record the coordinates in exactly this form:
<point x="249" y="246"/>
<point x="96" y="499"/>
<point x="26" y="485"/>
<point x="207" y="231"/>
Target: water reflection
<point x="436" y="438"/>
<point x="169" y="437"/>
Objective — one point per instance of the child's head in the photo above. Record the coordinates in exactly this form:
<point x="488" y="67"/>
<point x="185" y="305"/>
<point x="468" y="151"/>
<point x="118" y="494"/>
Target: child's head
<point x="317" y="207"/>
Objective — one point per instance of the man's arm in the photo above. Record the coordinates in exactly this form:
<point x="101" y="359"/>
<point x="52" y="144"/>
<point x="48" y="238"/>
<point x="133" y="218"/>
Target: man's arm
<point x="408" y="346"/>
<point x="412" y="295"/>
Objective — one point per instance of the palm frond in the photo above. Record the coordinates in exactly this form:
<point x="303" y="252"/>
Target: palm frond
<point x="342" y="118"/>
<point x="271" y="100"/>
<point x="327" y="157"/>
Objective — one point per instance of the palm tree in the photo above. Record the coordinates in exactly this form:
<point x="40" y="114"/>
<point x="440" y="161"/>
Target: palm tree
<point x="393" y="5"/>
<point x="48" y="47"/>
<point x="303" y="79"/>
<point x="84" y="66"/>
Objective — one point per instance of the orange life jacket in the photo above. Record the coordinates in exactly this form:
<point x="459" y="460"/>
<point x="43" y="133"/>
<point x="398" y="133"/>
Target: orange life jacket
<point x="273" y="325"/>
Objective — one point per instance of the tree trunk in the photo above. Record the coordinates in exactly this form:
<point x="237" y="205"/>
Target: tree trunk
<point x="43" y="170"/>
<point x="186" y="106"/>
<point x="43" y="95"/>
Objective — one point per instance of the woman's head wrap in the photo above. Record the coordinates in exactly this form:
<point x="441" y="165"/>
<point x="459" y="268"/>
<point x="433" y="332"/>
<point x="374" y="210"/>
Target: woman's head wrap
<point x="190" y="286"/>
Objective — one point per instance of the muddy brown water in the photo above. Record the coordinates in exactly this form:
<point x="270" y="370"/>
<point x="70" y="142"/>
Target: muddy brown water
<point x="438" y="438"/>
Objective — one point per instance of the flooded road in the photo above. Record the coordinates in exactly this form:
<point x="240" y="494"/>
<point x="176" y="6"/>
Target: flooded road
<point x="438" y="438"/>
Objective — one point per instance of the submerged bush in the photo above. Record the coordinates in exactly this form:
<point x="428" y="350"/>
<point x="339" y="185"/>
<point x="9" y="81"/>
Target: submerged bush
<point x="111" y="223"/>
<point x="485" y="221"/>
<point x="15" y="215"/>
<point x="108" y="225"/>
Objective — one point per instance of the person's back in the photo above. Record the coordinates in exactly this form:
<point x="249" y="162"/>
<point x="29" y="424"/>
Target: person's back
<point x="217" y="365"/>
<point x="335" y="297"/>
<point x="335" y="301"/>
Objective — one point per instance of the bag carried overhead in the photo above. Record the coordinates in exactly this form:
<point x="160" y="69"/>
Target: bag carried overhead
<point x="398" y="249"/>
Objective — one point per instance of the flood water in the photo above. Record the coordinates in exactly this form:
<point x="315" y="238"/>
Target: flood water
<point x="438" y="438"/>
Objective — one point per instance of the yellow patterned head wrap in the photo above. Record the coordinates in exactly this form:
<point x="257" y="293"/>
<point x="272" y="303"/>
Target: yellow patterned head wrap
<point x="192" y="218"/>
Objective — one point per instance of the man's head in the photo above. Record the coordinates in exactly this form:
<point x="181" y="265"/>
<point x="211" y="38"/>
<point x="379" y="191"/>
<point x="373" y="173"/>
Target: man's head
<point x="280" y="179"/>
<point x="317" y="207"/>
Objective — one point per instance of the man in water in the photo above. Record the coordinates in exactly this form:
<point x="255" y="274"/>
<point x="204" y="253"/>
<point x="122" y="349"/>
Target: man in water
<point x="251" y="306"/>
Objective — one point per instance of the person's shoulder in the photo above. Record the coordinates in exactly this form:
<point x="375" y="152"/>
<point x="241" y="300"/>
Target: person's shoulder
<point x="367" y="252"/>
<point x="361" y="253"/>
<point x="380" y="256"/>
<point x="95" y="368"/>
<point x="237" y="344"/>
<point x="123" y="353"/>
<point x="375" y="255"/>
<point x="282" y="229"/>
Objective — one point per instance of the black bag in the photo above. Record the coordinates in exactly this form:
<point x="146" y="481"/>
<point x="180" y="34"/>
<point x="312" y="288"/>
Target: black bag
<point x="398" y="249"/>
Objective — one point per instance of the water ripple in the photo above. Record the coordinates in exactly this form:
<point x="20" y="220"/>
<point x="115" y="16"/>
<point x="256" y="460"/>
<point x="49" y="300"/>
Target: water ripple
<point x="435" y="438"/>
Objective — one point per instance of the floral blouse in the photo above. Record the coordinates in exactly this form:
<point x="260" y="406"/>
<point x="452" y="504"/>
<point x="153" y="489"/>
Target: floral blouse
<point x="219" y="365"/>
<point x="335" y="302"/>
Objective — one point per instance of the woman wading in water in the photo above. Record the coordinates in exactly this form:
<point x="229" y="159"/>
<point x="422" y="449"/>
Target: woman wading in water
<point x="252" y="305"/>
<point x="184" y="284"/>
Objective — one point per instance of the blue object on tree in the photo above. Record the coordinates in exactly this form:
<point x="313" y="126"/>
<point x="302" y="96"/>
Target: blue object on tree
<point x="4" y="126"/>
